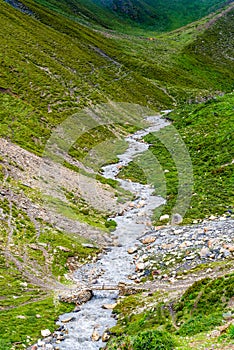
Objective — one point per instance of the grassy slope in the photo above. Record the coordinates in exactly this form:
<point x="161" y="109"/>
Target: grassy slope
<point x="41" y="74"/>
<point x="33" y="265"/>
<point x="52" y="74"/>
<point x="207" y="130"/>
<point x="20" y="293"/>
<point x="182" y="324"/>
<point x="125" y="16"/>
<point x="190" y="62"/>
<point x="47" y="68"/>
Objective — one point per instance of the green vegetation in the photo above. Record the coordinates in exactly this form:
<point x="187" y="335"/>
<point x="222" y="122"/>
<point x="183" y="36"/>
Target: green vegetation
<point x="78" y="210"/>
<point x="148" y="340"/>
<point x="42" y="83"/>
<point x="53" y="65"/>
<point x="137" y="18"/>
<point x="203" y="304"/>
<point x="206" y="130"/>
<point x="200" y="309"/>
<point x="32" y="267"/>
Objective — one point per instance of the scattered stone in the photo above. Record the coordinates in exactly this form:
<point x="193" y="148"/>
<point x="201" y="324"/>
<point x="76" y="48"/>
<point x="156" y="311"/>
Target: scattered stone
<point x="148" y="240"/>
<point x="105" y="336"/>
<point x="45" y="333"/>
<point x="64" y="249"/>
<point x="77" y="309"/>
<point x="228" y="316"/>
<point x="76" y="296"/>
<point x="164" y="217"/>
<point x="24" y="284"/>
<point x="132" y="250"/>
<point x="21" y="317"/>
<point x="41" y="343"/>
<point x="88" y="245"/>
<point x="204" y="252"/>
<point x="141" y="204"/>
<point x="60" y="336"/>
<point x="95" y="335"/>
<point x="68" y="319"/>
<point x="215" y="333"/>
<point x="140" y="266"/>
<point x="109" y="306"/>
<point x="185" y="244"/>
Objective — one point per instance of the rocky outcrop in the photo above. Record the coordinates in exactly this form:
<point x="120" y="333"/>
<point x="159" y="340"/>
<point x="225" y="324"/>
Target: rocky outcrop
<point x="78" y="296"/>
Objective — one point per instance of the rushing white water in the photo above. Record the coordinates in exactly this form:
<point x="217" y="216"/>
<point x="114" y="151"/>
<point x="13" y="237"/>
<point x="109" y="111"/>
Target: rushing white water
<point x="116" y="265"/>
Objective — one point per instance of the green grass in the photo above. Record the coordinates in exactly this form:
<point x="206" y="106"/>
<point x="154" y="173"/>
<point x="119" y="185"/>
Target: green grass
<point x="45" y="84"/>
<point x="206" y="130"/>
<point x="51" y="68"/>
<point x="78" y="210"/>
<point x="17" y="332"/>
<point x="198" y="311"/>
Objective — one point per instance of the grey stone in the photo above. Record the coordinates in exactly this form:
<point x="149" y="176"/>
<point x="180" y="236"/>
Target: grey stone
<point x="176" y="219"/>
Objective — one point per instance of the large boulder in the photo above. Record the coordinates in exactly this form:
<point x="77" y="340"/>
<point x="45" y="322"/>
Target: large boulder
<point x="79" y="296"/>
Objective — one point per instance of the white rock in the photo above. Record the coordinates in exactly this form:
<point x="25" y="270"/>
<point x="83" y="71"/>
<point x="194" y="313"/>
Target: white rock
<point x="109" y="306"/>
<point x="24" y="284"/>
<point x="105" y="337"/>
<point x="45" y="332"/>
<point x="132" y="250"/>
<point x="177" y="232"/>
<point x="204" y="252"/>
<point x="164" y="217"/>
<point x="141" y="203"/>
<point x="68" y="319"/>
<point x="40" y="343"/>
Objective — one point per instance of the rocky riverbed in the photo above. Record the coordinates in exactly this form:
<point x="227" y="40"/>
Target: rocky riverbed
<point x="170" y="253"/>
<point x="167" y="257"/>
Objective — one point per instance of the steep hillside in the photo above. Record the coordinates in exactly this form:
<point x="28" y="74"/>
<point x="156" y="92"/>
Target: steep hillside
<point x="130" y="16"/>
<point x="162" y="15"/>
<point x="53" y="67"/>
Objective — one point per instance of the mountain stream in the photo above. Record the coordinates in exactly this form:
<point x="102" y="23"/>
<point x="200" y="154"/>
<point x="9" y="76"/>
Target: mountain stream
<point x="116" y="264"/>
